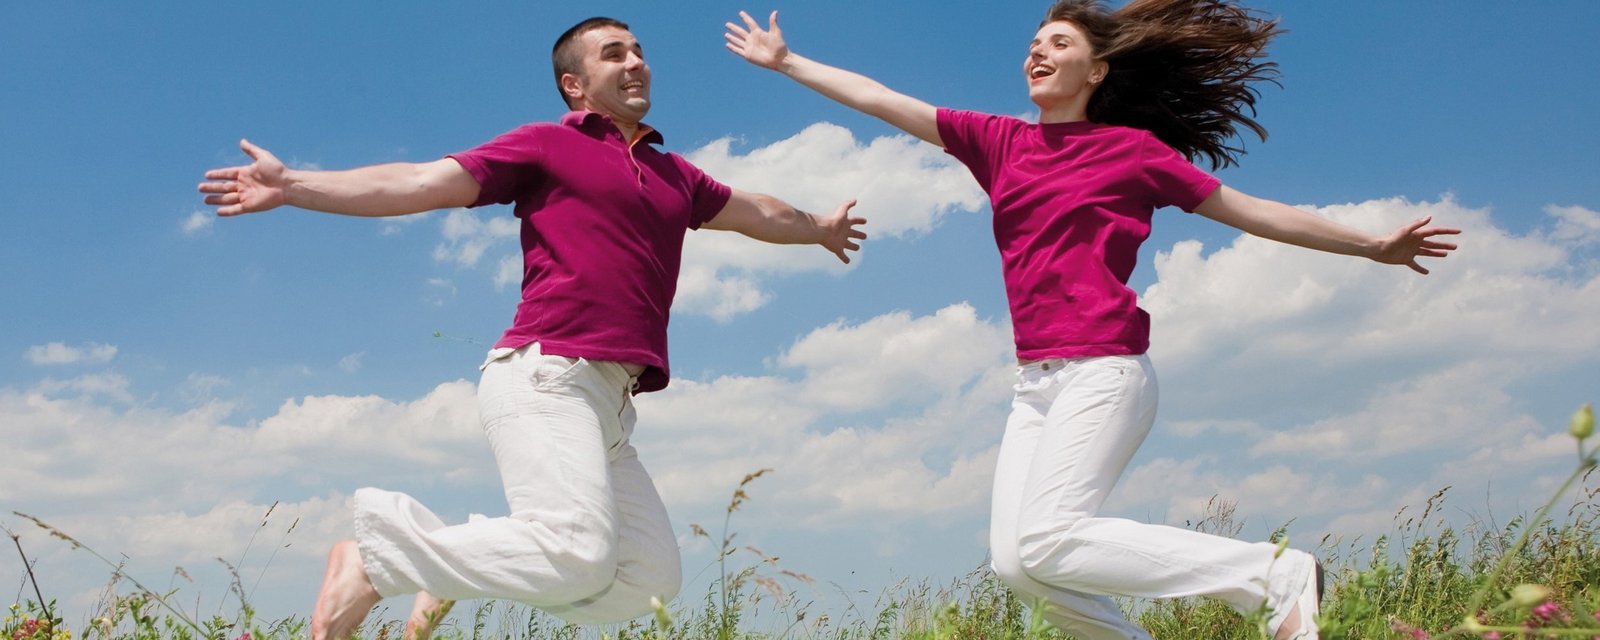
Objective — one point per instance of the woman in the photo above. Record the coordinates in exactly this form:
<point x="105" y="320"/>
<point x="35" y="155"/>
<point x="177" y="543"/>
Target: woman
<point x="1125" y="100"/>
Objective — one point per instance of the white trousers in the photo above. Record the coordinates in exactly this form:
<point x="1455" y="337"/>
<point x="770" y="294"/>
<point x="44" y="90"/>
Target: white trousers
<point x="1074" y="425"/>
<point x="587" y="538"/>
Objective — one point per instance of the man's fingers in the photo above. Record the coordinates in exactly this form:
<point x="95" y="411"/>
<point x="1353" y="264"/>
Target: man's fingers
<point x="217" y="187"/>
<point x="749" y="21"/>
<point x="249" y="149"/>
<point x="230" y="173"/>
<point x="772" y="22"/>
<point x="227" y="198"/>
<point x="735" y="30"/>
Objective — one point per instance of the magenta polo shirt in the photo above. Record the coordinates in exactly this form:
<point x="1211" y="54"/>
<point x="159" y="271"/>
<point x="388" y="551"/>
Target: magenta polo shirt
<point x="1072" y="203"/>
<point x="602" y="235"/>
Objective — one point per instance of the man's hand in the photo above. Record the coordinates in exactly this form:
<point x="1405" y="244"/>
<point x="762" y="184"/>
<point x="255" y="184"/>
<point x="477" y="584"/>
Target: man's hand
<point x="762" y="47"/>
<point x="1411" y="241"/>
<point x="842" y="231"/>
<point x="258" y="186"/>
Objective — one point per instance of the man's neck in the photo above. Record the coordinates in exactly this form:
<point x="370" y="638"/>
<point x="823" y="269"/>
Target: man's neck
<point x="630" y="130"/>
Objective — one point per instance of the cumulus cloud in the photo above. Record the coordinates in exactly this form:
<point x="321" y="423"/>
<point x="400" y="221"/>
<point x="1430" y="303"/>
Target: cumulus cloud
<point x="1332" y="372"/>
<point x="61" y="353"/>
<point x="941" y="379"/>
<point x="901" y="185"/>
<point x="1575" y="225"/>
<point x="198" y="223"/>
<point x="467" y="236"/>
<point x="1256" y="300"/>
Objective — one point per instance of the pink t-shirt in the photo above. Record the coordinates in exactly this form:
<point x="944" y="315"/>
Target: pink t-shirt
<point x="1072" y="202"/>
<point x="602" y="235"/>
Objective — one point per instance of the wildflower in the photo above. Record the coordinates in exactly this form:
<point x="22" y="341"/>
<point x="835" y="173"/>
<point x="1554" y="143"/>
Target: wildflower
<point x="244" y="636"/>
<point x="1582" y="425"/>
<point x="1550" y="611"/>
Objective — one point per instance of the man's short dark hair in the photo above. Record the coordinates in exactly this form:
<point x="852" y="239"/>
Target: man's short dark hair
<point x="567" y="57"/>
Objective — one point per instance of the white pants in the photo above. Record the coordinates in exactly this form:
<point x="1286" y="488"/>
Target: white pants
<point x="1074" y="425"/>
<point x="587" y="540"/>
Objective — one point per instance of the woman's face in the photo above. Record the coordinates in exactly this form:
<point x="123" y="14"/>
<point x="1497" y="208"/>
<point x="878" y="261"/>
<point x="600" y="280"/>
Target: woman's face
<point x="1061" y="66"/>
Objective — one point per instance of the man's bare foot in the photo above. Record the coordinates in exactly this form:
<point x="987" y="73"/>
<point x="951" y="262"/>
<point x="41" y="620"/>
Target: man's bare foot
<point x="426" y="615"/>
<point x="346" y="597"/>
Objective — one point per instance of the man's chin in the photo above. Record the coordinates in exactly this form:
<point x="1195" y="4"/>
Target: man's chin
<point x="638" y="107"/>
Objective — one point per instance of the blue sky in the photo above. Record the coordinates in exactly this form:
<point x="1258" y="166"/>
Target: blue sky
<point x="165" y="376"/>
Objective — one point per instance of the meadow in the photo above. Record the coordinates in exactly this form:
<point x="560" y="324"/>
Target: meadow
<point x="1537" y="576"/>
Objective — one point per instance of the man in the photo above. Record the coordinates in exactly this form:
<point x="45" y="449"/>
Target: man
<point x="603" y="219"/>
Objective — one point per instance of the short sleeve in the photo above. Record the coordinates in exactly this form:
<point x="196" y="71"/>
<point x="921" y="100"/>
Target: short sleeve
<point x="707" y="197"/>
<point x="504" y="165"/>
<point x="976" y="139"/>
<point x="1173" y="180"/>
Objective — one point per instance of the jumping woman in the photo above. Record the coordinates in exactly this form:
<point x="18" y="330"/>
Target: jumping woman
<point x="1127" y="101"/>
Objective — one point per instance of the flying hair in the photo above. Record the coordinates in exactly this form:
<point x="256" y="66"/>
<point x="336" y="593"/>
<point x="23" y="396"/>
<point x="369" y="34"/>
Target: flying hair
<point x="1184" y="70"/>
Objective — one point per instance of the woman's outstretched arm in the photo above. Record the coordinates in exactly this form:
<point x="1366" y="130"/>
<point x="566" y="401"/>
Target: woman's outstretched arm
<point x="766" y="48"/>
<point x="1277" y="221"/>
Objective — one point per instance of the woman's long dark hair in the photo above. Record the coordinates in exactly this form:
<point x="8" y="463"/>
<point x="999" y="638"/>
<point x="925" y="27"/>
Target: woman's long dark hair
<point x="1184" y="70"/>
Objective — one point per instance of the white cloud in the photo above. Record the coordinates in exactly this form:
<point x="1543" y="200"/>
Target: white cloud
<point x="701" y="289"/>
<point x="901" y="185"/>
<point x="467" y="236"/>
<point x="1259" y="301"/>
<point x="60" y="353"/>
<point x="894" y="416"/>
<point x="198" y="223"/>
<point x="199" y="388"/>
<point x="509" y="272"/>
<point x="395" y="225"/>
<point x="352" y="363"/>
<point x="1575" y="225"/>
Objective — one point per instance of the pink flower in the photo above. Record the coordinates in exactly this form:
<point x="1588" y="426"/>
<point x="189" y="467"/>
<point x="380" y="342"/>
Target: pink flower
<point x="244" y="636"/>
<point x="1550" y="611"/>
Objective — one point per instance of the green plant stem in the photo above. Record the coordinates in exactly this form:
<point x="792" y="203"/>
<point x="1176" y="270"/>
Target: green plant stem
<point x="17" y="540"/>
<point x="1527" y="532"/>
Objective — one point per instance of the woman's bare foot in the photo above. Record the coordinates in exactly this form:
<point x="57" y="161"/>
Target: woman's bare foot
<point x="426" y="615"/>
<point x="346" y="596"/>
<point x="1298" y="627"/>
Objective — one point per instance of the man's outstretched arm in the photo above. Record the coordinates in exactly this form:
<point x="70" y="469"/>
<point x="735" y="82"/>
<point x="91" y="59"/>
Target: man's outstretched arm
<point x="772" y="220"/>
<point x="379" y="190"/>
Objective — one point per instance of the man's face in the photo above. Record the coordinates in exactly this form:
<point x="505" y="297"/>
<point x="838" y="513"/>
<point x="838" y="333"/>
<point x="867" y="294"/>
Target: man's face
<point x="615" y="80"/>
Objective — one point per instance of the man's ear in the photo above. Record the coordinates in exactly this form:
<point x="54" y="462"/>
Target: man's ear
<point x="572" y="87"/>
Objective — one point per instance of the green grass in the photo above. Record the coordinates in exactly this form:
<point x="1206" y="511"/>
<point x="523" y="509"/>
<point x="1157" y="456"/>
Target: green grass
<point x="1534" y="577"/>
